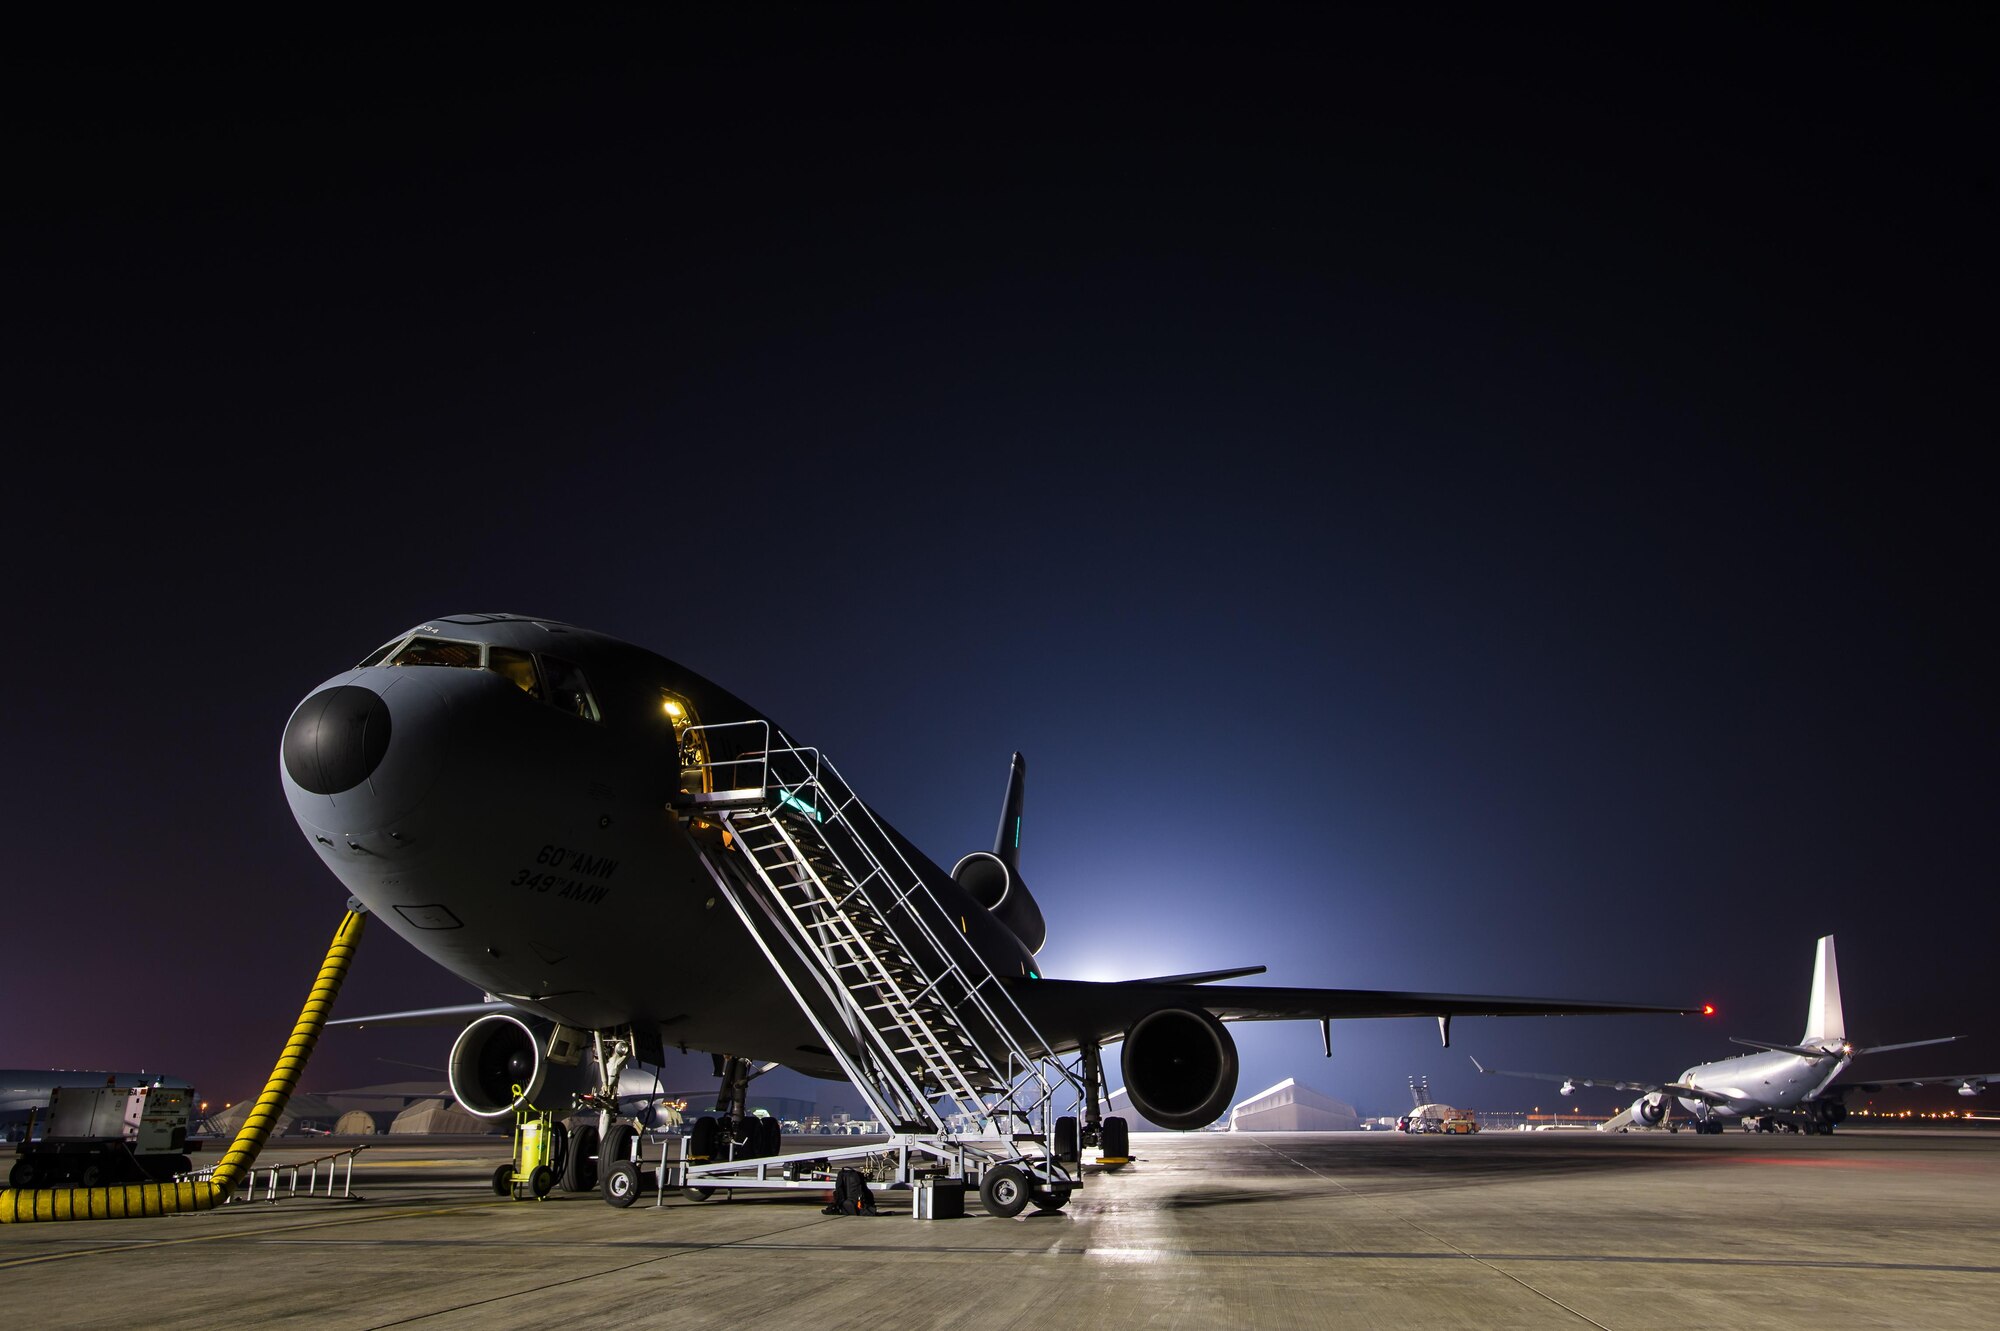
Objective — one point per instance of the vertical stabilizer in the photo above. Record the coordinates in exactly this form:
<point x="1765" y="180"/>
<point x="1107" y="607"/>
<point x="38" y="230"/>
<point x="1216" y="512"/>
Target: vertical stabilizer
<point x="1824" y="1024"/>
<point x="1007" y="841"/>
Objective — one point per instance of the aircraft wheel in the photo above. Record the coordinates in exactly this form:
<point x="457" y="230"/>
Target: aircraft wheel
<point x="1051" y="1198"/>
<point x="697" y="1194"/>
<point x="1004" y="1191"/>
<point x="701" y="1141"/>
<point x="622" y="1184"/>
<point x="558" y="1158"/>
<point x="579" y="1173"/>
<point x="503" y="1181"/>
<point x="768" y="1138"/>
<point x="1064" y="1142"/>
<point x="1117" y="1139"/>
<point x="616" y="1146"/>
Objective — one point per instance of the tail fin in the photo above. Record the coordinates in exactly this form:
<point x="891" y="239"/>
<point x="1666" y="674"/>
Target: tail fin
<point x="1007" y="841"/>
<point x="1824" y="1024"/>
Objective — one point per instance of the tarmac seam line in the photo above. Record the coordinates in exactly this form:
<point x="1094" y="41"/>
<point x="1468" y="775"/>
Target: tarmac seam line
<point x="592" y="1275"/>
<point x="1440" y="1239"/>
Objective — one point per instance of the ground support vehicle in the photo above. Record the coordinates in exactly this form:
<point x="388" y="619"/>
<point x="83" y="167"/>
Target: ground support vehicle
<point x="97" y="1136"/>
<point x="538" y="1155"/>
<point x="1008" y="1183"/>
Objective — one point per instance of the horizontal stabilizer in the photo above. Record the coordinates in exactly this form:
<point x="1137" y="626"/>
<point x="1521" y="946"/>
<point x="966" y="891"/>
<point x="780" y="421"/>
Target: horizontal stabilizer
<point x="1913" y="1044"/>
<point x="1802" y="1050"/>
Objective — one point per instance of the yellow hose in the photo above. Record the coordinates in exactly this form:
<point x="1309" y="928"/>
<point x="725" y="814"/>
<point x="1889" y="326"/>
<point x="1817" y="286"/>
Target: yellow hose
<point x="142" y="1199"/>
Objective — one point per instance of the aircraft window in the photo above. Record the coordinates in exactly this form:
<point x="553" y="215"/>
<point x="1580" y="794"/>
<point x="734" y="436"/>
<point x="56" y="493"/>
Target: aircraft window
<point x="380" y="654"/>
<point x="517" y="666"/>
<point x="422" y="651"/>
<point x="567" y="689"/>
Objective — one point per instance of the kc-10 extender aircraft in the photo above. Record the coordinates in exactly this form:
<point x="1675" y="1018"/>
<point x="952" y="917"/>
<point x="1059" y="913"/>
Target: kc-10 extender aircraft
<point x="1782" y="1086"/>
<point x="610" y="847"/>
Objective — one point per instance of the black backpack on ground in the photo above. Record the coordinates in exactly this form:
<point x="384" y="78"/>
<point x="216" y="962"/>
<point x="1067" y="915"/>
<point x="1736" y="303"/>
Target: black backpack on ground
<point x="851" y="1195"/>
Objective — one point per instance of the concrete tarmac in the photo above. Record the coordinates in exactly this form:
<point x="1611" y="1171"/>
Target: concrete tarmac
<point x="1869" y="1228"/>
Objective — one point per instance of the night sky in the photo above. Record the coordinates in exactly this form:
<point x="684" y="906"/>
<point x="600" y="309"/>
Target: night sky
<point x="1496" y="504"/>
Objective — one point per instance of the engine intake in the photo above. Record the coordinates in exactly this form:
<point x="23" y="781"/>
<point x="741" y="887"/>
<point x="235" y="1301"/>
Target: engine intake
<point x="986" y="878"/>
<point x="1180" y="1068"/>
<point x="496" y="1066"/>
<point x="1649" y="1110"/>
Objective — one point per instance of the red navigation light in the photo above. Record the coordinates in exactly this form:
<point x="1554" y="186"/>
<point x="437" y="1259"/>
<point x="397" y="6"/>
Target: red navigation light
<point x="1708" y="1009"/>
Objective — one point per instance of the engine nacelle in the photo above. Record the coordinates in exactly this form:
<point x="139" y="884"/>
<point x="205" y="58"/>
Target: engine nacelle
<point x="985" y="878"/>
<point x="496" y="1066"/>
<point x="1180" y="1068"/>
<point x="1971" y="1087"/>
<point x="1826" y="1113"/>
<point x="1650" y="1110"/>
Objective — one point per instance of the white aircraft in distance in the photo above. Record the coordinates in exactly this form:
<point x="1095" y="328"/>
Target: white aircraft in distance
<point x="1783" y="1086"/>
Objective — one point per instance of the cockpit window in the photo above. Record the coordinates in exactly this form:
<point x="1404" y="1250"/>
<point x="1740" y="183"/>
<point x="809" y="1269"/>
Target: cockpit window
<point x="568" y="690"/>
<point x="424" y="651"/>
<point x="380" y="654"/>
<point x="517" y="667"/>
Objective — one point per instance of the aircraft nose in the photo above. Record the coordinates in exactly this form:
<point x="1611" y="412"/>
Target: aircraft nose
<point x="336" y="739"/>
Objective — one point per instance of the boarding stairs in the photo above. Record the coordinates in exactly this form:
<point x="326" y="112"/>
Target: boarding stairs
<point x="918" y="1021"/>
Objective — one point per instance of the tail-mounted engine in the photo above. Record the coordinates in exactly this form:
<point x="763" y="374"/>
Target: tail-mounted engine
<point x="994" y="880"/>
<point x="992" y="884"/>
<point x="1650" y="1111"/>
<point x="1180" y="1068"/>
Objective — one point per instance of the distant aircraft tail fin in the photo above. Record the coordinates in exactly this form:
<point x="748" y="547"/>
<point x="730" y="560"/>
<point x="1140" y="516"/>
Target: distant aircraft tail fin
<point x="1007" y="841"/>
<point x="1824" y="1023"/>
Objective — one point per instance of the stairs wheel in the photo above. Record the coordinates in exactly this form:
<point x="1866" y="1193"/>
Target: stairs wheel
<point x="1004" y="1191"/>
<point x="622" y="1184"/>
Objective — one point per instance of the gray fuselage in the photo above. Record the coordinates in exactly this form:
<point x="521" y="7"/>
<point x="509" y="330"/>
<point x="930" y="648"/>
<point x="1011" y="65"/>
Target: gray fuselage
<point x="523" y="840"/>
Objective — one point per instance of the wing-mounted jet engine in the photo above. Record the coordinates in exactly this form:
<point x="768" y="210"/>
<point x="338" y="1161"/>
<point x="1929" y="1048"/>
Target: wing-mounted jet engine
<point x="503" y="1062"/>
<point x="994" y="880"/>
<point x="1180" y="1067"/>
<point x="1649" y="1111"/>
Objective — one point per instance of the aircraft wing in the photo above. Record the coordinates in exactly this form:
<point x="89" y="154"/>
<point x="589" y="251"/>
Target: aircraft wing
<point x="1970" y="1083"/>
<point x="1673" y="1088"/>
<point x="455" y="1014"/>
<point x="1070" y="1013"/>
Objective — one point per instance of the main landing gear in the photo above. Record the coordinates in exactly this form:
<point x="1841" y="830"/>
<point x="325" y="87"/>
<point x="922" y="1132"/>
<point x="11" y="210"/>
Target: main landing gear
<point x="1109" y="1135"/>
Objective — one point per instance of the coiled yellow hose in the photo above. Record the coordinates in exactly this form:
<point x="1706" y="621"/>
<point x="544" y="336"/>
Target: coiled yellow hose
<point x="143" y="1199"/>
